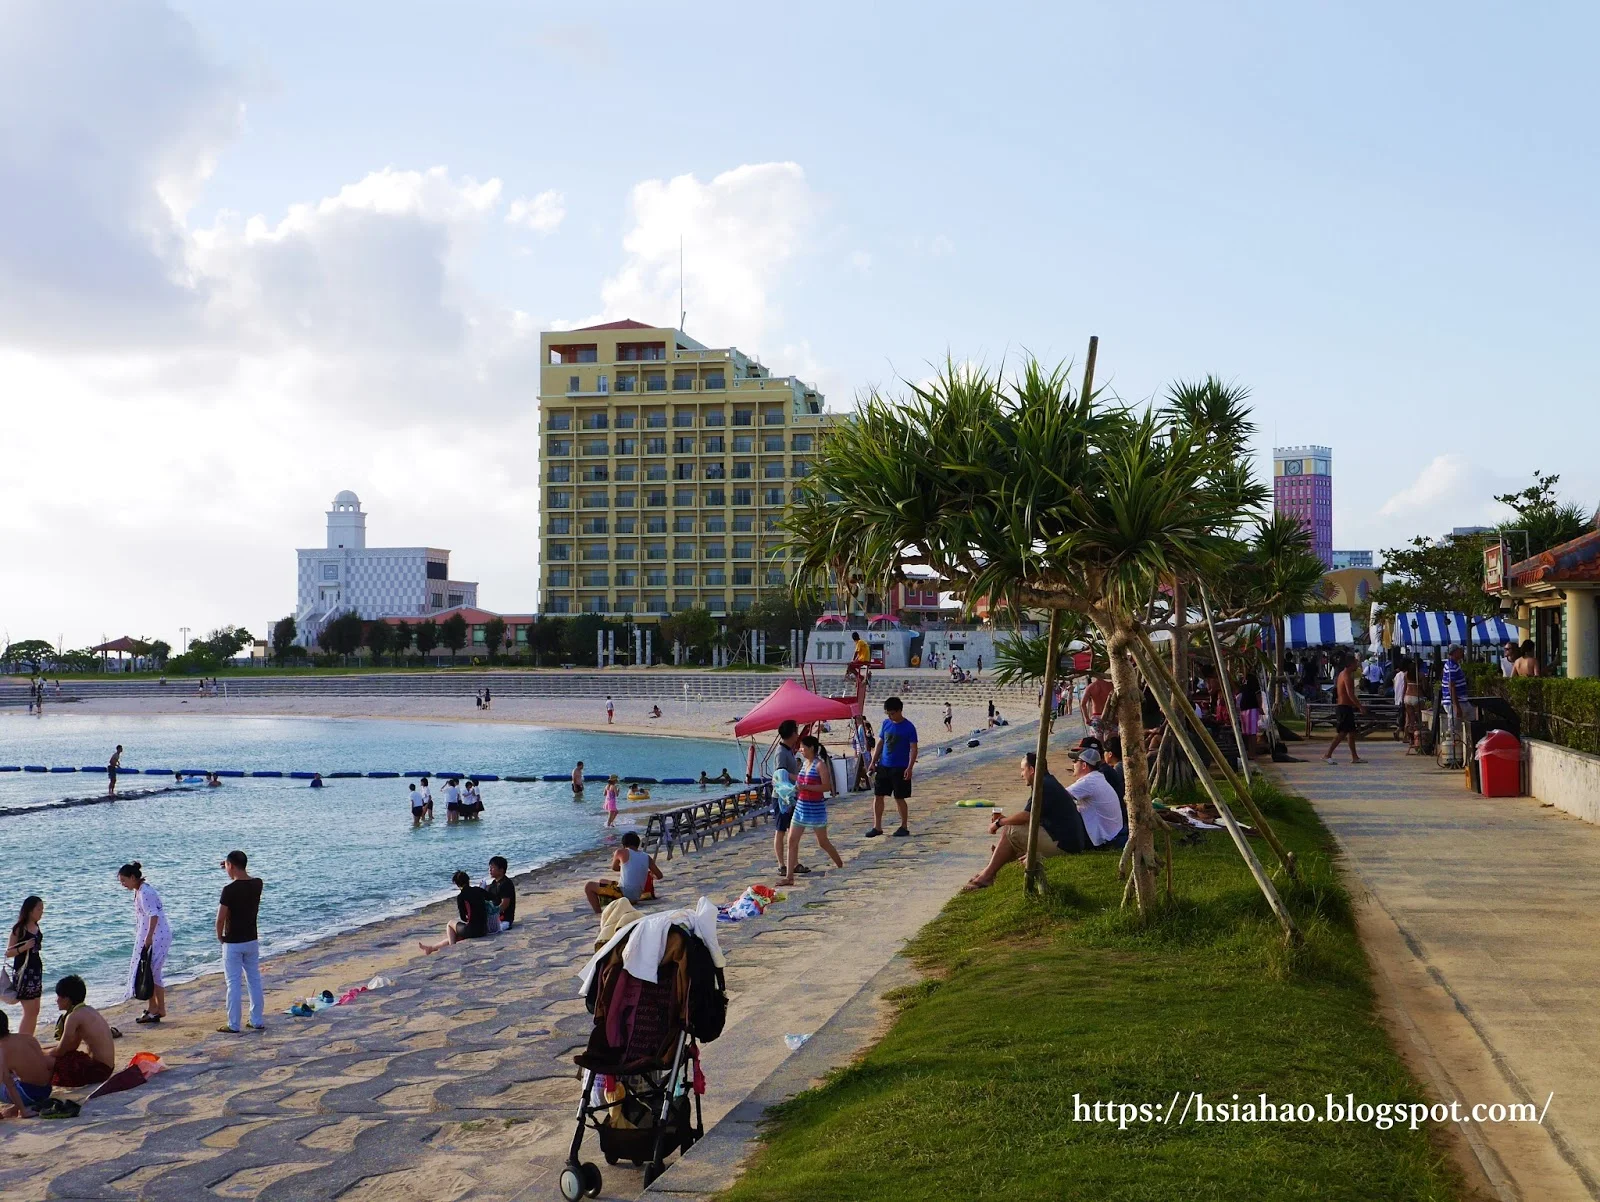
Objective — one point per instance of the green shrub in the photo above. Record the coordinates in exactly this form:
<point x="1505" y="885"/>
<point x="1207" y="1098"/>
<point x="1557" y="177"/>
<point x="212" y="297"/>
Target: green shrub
<point x="1562" y="711"/>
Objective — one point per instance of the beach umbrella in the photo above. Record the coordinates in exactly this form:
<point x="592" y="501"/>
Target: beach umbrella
<point x="791" y="700"/>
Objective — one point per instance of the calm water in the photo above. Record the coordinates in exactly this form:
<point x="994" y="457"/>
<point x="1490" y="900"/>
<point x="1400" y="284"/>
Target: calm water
<point x="333" y="858"/>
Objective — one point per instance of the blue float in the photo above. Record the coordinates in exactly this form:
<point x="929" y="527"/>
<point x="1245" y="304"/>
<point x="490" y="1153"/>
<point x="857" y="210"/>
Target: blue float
<point x="486" y="776"/>
<point x="193" y="772"/>
<point x="382" y="775"/>
<point x="521" y="780"/>
<point x="301" y="775"/>
<point x="34" y="768"/>
<point x="152" y="771"/>
<point x="342" y="775"/>
<point x="596" y="776"/>
<point x="10" y="767"/>
<point x="640" y="780"/>
<point x="226" y="772"/>
<point x="419" y="774"/>
<point x="266" y="774"/>
<point x="63" y="769"/>
<point x="554" y="776"/>
<point x="100" y="768"/>
<point x="678" y="780"/>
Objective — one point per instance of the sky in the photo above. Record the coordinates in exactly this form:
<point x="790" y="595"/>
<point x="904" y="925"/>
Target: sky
<point x="255" y="253"/>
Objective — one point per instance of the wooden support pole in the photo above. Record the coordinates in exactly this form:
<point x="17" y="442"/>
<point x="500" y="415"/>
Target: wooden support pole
<point x="1033" y="879"/>
<point x="1170" y="706"/>
<point x="1227" y="689"/>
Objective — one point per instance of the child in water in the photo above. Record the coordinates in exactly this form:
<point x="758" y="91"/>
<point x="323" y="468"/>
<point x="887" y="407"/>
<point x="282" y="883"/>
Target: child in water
<point x="611" y="800"/>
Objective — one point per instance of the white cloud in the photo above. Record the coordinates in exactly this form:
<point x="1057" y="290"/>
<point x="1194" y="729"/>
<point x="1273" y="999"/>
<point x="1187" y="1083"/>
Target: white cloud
<point x="738" y="232"/>
<point x="542" y="213"/>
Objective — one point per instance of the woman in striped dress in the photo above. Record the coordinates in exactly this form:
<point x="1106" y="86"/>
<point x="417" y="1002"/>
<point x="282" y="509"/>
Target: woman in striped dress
<point x="813" y="783"/>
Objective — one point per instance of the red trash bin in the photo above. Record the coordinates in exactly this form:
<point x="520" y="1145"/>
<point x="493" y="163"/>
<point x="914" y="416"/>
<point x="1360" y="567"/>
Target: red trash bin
<point x="1500" y="764"/>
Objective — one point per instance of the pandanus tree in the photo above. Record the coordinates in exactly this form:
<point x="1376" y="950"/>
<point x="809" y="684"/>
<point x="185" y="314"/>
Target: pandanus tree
<point x="1031" y="494"/>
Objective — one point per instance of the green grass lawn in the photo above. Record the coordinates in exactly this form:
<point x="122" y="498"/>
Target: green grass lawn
<point x="1027" y="1004"/>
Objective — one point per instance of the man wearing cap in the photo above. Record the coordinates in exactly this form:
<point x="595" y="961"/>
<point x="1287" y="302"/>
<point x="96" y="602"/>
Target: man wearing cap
<point x="241" y="944"/>
<point x="1097" y="800"/>
<point x="1455" y="697"/>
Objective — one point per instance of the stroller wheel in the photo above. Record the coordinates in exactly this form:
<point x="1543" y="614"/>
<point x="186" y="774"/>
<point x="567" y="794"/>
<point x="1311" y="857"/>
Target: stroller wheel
<point x="611" y="1158"/>
<point x="591" y="1178"/>
<point x="653" y="1170"/>
<point x="571" y="1184"/>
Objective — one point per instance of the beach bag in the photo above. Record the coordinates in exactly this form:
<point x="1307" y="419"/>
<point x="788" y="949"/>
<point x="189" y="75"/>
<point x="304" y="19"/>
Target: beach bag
<point x="144" y="978"/>
<point x="708" y="993"/>
<point x="8" y="987"/>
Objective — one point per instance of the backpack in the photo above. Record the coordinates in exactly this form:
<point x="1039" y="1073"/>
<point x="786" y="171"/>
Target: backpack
<point x="708" y="993"/>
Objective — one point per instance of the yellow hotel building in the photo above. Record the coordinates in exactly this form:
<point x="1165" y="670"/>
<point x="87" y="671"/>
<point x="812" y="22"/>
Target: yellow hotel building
<point x="664" y="468"/>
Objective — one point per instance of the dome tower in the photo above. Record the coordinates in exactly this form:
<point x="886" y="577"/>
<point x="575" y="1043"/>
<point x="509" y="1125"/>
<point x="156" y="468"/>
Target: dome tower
<point x="347" y="525"/>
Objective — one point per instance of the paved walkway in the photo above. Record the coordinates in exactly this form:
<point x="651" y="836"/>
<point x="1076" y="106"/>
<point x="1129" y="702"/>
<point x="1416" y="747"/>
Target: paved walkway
<point x="1494" y="909"/>
<point x="458" y="1082"/>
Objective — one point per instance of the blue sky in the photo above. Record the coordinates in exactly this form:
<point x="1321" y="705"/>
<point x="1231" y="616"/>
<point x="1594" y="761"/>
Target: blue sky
<point x="273" y="240"/>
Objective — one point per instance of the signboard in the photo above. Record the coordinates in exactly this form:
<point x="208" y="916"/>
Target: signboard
<point x="1494" y="567"/>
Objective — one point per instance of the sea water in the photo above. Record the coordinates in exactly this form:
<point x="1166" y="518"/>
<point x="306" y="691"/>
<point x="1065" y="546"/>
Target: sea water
<point x="333" y="858"/>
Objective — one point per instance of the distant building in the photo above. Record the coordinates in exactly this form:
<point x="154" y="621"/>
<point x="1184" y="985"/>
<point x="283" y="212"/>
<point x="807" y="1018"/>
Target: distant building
<point x="376" y="582"/>
<point x="1350" y="587"/>
<point x="1352" y="559"/>
<point x="1302" y="485"/>
<point x="1466" y="531"/>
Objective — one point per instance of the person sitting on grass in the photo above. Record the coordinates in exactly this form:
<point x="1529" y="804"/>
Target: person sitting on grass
<point x="472" y="904"/>
<point x="1061" y="828"/>
<point x="84" y="1053"/>
<point x="636" y="876"/>
<point x="24" y="1072"/>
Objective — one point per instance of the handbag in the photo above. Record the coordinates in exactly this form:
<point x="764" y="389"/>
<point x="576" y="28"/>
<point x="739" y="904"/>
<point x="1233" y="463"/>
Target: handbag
<point x="144" y="978"/>
<point x="8" y="987"/>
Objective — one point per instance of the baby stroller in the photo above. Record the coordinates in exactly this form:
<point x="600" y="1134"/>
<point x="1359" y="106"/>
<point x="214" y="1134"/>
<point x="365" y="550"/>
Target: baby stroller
<point x="641" y="1069"/>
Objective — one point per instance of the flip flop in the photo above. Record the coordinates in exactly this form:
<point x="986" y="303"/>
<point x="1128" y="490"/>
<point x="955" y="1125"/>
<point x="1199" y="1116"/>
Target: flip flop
<point x="974" y="886"/>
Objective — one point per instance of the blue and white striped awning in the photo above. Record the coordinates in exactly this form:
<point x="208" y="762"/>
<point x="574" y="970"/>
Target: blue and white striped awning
<point x="1436" y="628"/>
<point x="1317" y="630"/>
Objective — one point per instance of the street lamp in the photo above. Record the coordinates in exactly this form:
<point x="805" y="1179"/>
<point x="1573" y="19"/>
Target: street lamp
<point x="183" y="643"/>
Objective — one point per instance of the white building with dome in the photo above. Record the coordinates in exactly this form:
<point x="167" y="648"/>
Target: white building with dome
<point x="376" y="582"/>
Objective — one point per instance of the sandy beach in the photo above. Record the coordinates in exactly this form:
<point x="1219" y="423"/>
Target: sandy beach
<point x="456" y="1081"/>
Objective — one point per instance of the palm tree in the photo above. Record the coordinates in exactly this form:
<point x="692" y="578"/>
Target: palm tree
<point x="1026" y="493"/>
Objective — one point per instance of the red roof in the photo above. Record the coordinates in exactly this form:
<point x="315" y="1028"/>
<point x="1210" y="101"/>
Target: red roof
<point x="122" y="644"/>
<point x="469" y="615"/>
<point x="790" y="700"/>
<point x="627" y="323"/>
<point x="1577" y="562"/>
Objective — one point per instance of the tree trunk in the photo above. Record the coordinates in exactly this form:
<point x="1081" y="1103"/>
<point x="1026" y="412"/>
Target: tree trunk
<point x="1033" y="879"/>
<point x="1135" y="767"/>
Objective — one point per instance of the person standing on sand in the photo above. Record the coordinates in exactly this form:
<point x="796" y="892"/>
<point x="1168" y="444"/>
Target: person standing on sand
<point x="111" y="771"/>
<point x="611" y="799"/>
<point x="150" y="930"/>
<point x="27" y="964"/>
<point x="1346" y="706"/>
<point x="893" y="762"/>
<point x="949" y="718"/>
<point x="237" y="914"/>
<point x="488" y="700"/>
<point x="786" y="758"/>
<point x="812" y="786"/>
<point x="611" y="711"/>
<point x="577" y="782"/>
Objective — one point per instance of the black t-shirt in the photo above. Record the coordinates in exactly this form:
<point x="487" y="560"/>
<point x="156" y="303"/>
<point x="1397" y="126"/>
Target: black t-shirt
<point x="503" y="890"/>
<point x="1060" y="818"/>
<point x="243" y="899"/>
<point x="472" y="903"/>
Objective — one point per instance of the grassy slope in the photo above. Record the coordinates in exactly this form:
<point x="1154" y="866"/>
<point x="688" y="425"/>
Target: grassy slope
<point x="971" y="1092"/>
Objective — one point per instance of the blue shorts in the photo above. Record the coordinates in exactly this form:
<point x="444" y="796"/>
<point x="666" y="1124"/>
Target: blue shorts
<point x="34" y="1095"/>
<point x="781" y="816"/>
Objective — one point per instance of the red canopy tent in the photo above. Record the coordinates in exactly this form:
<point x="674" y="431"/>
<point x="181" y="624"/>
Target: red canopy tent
<point x="791" y="699"/>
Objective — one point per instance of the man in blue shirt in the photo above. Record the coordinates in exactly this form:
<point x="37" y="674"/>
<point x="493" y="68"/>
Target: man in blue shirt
<point x="892" y="762"/>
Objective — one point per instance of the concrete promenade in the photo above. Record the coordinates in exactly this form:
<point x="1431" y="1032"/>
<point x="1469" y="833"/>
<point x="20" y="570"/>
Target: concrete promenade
<point x="457" y="1082"/>
<point x="1482" y="917"/>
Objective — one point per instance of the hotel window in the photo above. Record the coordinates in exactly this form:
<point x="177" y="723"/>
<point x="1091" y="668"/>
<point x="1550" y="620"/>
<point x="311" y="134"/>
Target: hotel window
<point x="800" y="469"/>
<point x="714" y="417"/>
<point x="560" y="473"/>
<point x="797" y="495"/>
<point x="772" y="442"/>
<point x="743" y="601"/>
<point x="716" y="576"/>
<point x="595" y="580"/>
<point x="774" y="575"/>
<point x="626" y="499"/>
<point x="683" y="601"/>
<point x="744" y="550"/>
<point x="572" y="384"/>
<point x="596" y="500"/>
<point x="743" y="444"/>
<point x="716" y="524"/>
<point x="595" y="525"/>
<point x="742" y="496"/>
<point x="436" y="600"/>
<point x="655" y="381"/>
<point x="626" y="603"/>
<point x="772" y="471"/>
<point x="627" y="382"/>
<point x="683" y="523"/>
<point x="715" y="496"/>
<point x="627" y="551"/>
<point x="560" y="421"/>
<point x="683" y="576"/>
<point x="744" y="417"/>
<point x="655" y="446"/>
<point x="772" y="521"/>
<point x="716" y="380"/>
<point x="594" y="605"/>
<point x="595" y="421"/>
<point x="559" y="605"/>
<point x="455" y="600"/>
<point x="596" y="473"/>
<point x="742" y="576"/>
<point x="596" y="551"/>
<point x="772" y="417"/>
<point x="683" y="418"/>
<point x="714" y="551"/>
<point x="627" y="446"/>
<point x="683" y="471"/>
<point x="560" y="551"/>
<point x="655" y="550"/>
<point x="559" y="578"/>
<point x="627" y="420"/>
<point x="600" y="384"/>
<point x="715" y="471"/>
<point x="561" y="525"/>
<point x="656" y="605"/>
<point x="655" y="524"/>
<point x="683" y="446"/>
<point x="743" y="471"/>
<point x="774" y="496"/>
<point x="683" y="381"/>
<point x="684" y="496"/>
<point x="655" y="497"/>
<point x="626" y="471"/>
<point x="559" y="446"/>
<point x="714" y="445"/>
<point x="655" y="419"/>
<point x="656" y="577"/>
<point x="683" y="551"/>
<point x="802" y="442"/>
<point x="560" y="499"/>
<point x="743" y="522"/>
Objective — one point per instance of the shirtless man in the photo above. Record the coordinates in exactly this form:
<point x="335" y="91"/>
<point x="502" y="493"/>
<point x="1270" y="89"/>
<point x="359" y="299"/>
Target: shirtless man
<point x="577" y="782"/>
<point x="24" y="1072"/>
<point x="1346" y="706"/>
<point x="85" y="1054"/>
<point x="1095" y="698"/>
<point x="111" y="770"/>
